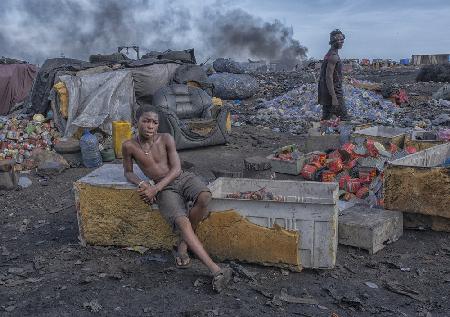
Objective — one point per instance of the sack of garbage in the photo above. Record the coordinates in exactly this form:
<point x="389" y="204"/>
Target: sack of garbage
<point x="442" y="93"/>
<point x="233" y="86"/>
<point x="226" y="65"/>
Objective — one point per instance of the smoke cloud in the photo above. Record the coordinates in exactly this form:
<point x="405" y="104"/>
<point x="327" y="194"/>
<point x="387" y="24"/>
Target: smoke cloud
<point x="236" y="33"/>
<point x="36" y="30"/>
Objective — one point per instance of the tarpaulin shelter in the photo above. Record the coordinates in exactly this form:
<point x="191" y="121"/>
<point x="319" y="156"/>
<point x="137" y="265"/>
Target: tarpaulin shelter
<point x="95" y="100"/>
<point x="87" y="95"/>
<point x="45" y="80"/>
<point x="16" y="81"/>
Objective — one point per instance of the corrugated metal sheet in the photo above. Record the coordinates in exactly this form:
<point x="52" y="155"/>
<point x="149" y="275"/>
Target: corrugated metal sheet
<point x="430" y="59"/>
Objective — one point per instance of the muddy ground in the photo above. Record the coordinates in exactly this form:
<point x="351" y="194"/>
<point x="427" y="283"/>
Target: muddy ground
<point x="45" y="272"/>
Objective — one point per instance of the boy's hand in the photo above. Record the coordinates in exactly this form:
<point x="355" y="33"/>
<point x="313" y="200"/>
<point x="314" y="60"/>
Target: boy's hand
<point x="148" y="193"/>
<point x="334" y="101"/>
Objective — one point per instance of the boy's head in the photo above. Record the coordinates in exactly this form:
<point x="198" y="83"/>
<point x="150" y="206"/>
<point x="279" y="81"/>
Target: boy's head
<point x="147" y="120"/>
<point x="337" y="38"/>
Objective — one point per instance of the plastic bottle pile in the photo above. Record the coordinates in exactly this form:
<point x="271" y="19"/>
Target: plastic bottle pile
<point x="19" y="136"/>
<point x="293" y="111"/>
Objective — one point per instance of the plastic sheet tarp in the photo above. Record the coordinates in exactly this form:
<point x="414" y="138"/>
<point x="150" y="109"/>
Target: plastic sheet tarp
<point x="148" y="79"/>
<point x="97" y="100"/>
<point x="15" y="84"/>
<point x="45" y="80"/>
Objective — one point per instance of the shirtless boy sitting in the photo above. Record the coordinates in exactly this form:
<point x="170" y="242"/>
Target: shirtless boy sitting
<point x="156" y="155"/>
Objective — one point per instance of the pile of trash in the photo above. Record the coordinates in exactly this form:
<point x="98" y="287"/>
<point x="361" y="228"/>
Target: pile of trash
<point x="273" y="84"/>
<point x="292" y="112"/>
<point x="287" y="153"/>
<point x="357" y="166"/>
<point x="20" y="135"/>
<point x="260" y="194"/>
<point x="428" y="115"/>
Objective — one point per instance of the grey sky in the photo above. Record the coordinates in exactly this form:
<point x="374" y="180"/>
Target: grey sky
<point x="373" y="29"/>
<point x="37" y="29"/>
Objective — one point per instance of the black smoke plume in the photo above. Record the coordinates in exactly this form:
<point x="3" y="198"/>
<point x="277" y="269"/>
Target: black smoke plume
<point x="236" y="33"/>
<point x="34" y="30"/>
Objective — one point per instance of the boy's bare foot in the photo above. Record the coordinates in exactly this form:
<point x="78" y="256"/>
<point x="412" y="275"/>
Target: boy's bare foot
<point x="182" y="259"/>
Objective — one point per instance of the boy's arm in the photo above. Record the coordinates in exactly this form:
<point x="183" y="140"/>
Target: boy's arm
<point x="332" y="61"/>
<point x="128" y="164"/>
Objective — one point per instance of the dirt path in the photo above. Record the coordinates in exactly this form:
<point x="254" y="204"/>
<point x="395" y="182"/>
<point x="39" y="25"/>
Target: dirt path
<point x="45" y="272"/>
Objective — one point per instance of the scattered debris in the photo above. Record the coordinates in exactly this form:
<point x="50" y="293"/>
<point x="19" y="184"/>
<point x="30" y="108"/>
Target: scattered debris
<point x="396" y="287"/>
<point x="93" y="306"/>
<point x="24" y="182"/>
<point x="284" y="272"/>
<point x="256" y="163"/>
<point x="154" y="257"/>
<point x="137" y="248"/>
<point x="240" y="270"/>
<point x="260" y="194"/>
<point x="285" y="297"/>
<point x="371" y="285"/>
<point x="200" y="281"/>
<point x="346" y="300"/>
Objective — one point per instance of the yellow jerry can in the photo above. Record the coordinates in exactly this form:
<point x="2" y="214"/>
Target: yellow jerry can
<point x="121" y="131"/>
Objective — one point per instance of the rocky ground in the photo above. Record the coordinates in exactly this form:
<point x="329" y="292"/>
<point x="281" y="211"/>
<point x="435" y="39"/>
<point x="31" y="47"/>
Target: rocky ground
<point x="45" y="272"/>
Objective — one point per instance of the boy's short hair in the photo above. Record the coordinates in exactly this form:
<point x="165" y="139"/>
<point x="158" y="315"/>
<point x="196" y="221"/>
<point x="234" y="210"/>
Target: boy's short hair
<point x="146" y="108"/>
<point x="333" y="35"/>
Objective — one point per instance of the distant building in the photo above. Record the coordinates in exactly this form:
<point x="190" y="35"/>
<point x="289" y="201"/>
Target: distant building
<point x="430" y="59"/>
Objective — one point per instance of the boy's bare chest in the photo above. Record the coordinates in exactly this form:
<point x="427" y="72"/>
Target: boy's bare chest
<point x="150" y="157"/>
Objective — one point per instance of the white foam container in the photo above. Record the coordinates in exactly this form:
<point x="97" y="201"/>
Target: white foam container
<point x="309" y="207"/>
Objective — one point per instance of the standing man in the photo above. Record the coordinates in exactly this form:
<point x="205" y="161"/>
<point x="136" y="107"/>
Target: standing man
<point x="156" y="155"/>
<point x="330" y="92"/>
